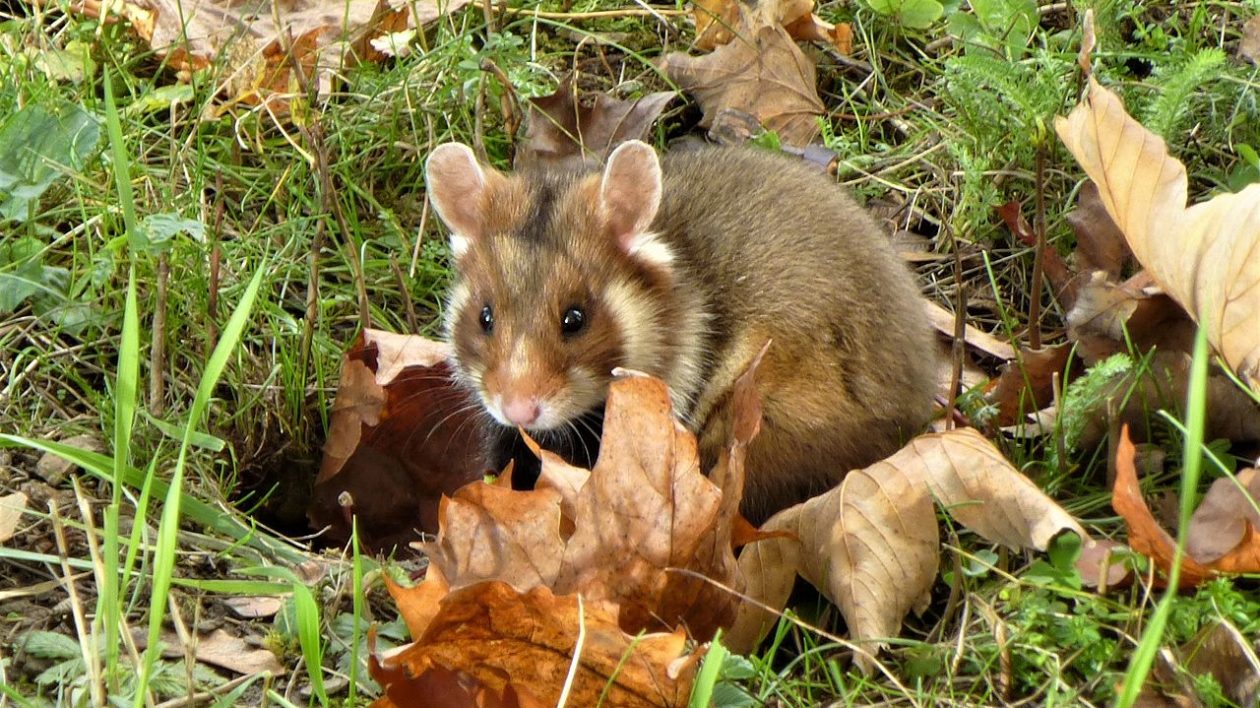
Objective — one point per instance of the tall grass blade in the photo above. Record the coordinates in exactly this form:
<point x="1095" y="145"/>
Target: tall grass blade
<point x="108" y="607"/>
<point x="168" y="530"/>
<point x="1196" y="416"/>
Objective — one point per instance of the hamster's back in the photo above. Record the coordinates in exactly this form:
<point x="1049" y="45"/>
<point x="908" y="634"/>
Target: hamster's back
<point x="780" y="252"/>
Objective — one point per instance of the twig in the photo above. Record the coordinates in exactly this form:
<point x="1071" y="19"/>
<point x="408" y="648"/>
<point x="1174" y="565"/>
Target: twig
<point x="91" y="660"/>
<point x="412" y="323"/>
<point x="1039" y="228"/>
<point x="216" y="257"/>
<point x="957" y="350"/>
<point x="157" y="353"/>
<point x="598" y="14"/>
<point x="488" y="11"/>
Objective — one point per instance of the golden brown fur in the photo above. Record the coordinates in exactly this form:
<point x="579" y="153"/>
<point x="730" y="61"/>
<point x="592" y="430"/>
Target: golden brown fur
<point x="745" y="247"/>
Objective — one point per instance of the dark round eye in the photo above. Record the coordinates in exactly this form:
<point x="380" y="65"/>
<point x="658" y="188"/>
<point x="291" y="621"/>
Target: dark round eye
<point x="487" y="319"/>
<point x="573" y="320"/>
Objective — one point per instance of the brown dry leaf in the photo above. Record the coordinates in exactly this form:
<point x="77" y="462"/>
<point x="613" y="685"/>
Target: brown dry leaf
<point x="1026" y="383"/>
<point x="1145" y="534"/>
<point x="1221" y="650"/>
<point x="943" y="321"/>
<point x="872" y="544"/>
<point x="254" y="607"/>
<point x="1099" y="569"/>
<point x="505" y="640"/>
<point x="716" y="21"/>
<point x="12" y="507"/>
<point x="252" y="42"/>
<point x="1115" y="318"/>
<point x="419" y="603"/>
<point x="1223" y="530"/>
<point x="1203" y="256"/>
<point x="1129" y="398"/>
<point x="523" y="528"/>
<point x="232" y="653"/>
<point x="440" y="687"/>
<point x="1100" y="244"/>
<point x="565" y="127"/>
<point x="761" y="72"/>
<point x="401" y="435"/>
<point x="616" y="532"/>
<point x="1249" y="45"/>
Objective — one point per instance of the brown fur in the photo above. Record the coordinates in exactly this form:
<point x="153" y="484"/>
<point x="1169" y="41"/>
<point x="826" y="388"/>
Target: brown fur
<point x="763" y="248"/>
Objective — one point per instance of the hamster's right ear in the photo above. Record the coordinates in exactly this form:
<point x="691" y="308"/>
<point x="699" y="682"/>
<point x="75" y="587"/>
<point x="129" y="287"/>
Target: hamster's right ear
<point x="459" y="189"/>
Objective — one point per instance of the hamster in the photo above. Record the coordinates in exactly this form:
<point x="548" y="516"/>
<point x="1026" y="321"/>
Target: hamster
<point x="683" y="267"/>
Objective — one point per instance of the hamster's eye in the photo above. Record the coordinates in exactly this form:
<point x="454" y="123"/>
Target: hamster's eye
<point x="487" y="319"/>
<point x="573" y="320"/>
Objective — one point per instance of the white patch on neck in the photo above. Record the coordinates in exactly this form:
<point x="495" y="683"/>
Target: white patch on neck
<point x="652" y="249"/>
<point x="459" y="245"/>
<point x="455" y="303"/>
<point x="673" y="355"/>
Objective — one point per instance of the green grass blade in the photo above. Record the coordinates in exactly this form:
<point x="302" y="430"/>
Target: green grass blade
<point x="307" y="611"/>
<point x="168" y="530"/>
<point x="208" y="515"/>
<point x="118" y="149"/>
<point x="710" y="670"/>
<point x="356" y="632"/>
<point x="1196" y="416"/>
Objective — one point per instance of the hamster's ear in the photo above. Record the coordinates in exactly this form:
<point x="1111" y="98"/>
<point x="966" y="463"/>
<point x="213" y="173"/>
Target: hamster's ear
<point x="630" y="193"/>
<point x="459" y="189"/>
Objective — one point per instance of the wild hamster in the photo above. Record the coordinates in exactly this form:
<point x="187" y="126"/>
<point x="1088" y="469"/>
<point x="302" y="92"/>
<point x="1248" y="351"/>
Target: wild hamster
<point x="683" y="267"/>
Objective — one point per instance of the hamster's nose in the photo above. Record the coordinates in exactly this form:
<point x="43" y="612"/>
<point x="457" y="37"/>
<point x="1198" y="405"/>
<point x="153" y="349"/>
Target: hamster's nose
<point x="521" y="410"/>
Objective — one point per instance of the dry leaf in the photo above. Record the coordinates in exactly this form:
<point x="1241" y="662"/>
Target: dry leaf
<point x="1098" y="567"/>
<point x="1227" y="521"/>
<point x="401" y="435"/>
<point x="1249" y="45"/>
<point x="1100" y="244"/>
<point x="254" y="607"/>
<point x="253" y="42"/>
<point x="1203" y="256"/>
<point x="943" y="321"/>
<point x="617" y="532"/>
<point x="565" y="127"/>
<point x="871" y="544"/>
<point x="761" y="72"/>
<point x="11" y="508"/>
<point x="504" y="639"/>
<point x="1117" y="318"/>
<point x="1026" y="383"/>
<point x="232" y="653"/>
<point x="716" y="21"/>
<point x="1221" y="650"/>
<point x="1145" y="534"/>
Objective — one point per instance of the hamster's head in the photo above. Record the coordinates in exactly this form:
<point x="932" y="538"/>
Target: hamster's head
<point x="559" y="281"/>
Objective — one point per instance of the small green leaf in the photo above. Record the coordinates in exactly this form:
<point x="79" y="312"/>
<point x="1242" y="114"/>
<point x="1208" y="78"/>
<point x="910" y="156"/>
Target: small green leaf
<point x="156" y="232"/>
<point x="159" y="99"/>
<point x="37" y="146"/>
<point x="911" y="14"/>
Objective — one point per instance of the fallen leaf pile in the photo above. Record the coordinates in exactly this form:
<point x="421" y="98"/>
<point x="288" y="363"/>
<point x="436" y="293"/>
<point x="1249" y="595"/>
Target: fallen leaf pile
<point x="1224" y="532"/>
<point x="756" y="67"/>
<point x="401" y="435"/>
<point x="259" y="48"/>
<point x="872" y="545"/>
<point x="1196" y="267"/>
<point x="564" y="125"/>
<point x="643" y="538"/>
<point x="1202" y="256"/>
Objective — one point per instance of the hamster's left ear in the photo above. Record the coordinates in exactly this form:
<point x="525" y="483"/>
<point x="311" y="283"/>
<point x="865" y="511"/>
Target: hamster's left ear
<point x="460" y="189"/>
<point x="630" y="192"/>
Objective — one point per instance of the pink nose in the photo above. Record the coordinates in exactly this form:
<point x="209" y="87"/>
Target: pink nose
<point x="521" y="411"/>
